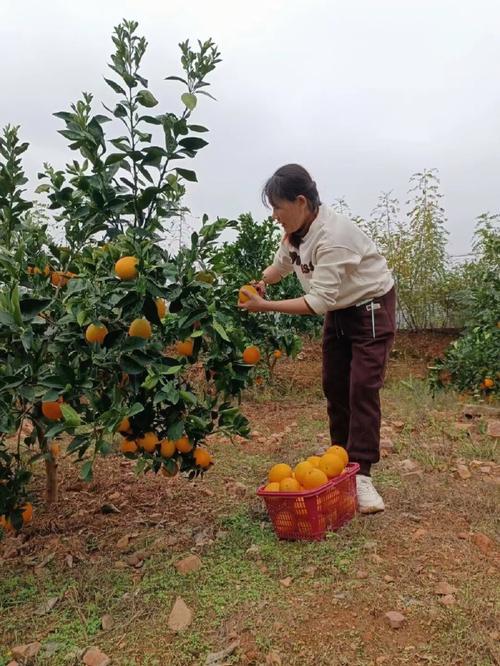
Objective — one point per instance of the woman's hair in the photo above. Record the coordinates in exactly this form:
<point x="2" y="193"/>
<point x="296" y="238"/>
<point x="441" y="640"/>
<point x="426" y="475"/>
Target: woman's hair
<point x="288" y="182"/>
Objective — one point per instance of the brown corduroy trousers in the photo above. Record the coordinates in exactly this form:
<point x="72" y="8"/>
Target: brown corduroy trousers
<point x="356" y="345"/>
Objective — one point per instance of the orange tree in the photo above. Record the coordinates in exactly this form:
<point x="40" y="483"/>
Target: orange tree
<point x="87" y="346"/>
<point x="472" y="363"/>
<point x="243" y="259"/>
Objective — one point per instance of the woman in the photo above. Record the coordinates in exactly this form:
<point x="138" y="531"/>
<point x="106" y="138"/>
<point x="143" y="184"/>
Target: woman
<point x="347" y="280"/>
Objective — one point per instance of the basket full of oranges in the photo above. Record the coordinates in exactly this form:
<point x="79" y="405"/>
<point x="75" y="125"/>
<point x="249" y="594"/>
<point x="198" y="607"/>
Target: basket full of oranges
<point x="317" y="496"/>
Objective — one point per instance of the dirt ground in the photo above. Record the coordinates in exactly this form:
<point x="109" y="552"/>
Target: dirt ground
<point x="99" y="568"/>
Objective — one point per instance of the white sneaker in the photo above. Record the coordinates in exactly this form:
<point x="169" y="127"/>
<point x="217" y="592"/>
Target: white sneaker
<point x="369" y="501"/>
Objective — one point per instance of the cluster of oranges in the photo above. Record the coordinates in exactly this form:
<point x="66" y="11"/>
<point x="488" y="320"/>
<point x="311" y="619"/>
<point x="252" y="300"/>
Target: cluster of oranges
<point x="126" y="269"/>
<point x="165" y="448"/>
<point x="251" y="355"/>
<point x="308" y="474"/>
<point x="57" y="278"/>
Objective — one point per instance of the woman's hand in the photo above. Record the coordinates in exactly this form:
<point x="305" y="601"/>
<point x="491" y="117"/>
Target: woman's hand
<point x="255" y="302"/>
<point x="260" y="285"/>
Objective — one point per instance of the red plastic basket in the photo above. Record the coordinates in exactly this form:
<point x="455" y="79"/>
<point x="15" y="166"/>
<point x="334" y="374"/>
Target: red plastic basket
<point x="309" y="514"/>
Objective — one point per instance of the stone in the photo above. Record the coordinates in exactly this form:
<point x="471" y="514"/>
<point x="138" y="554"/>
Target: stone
<point x="409" y="466"/>
<point x="447" y="600"/>
<point x="463" y="472"/>
<point x="444" y="588"/>
<point x="459" y="425"/>
<point x="107" y="622"/>
<point x="361" y="574"/>
<point x="286" y="582"/>
<point x="188" y="564"/>
<point x="493" y="428"/>
<point x="418" y="534"/>
<point x="180" y="616"/>
<point x="94" y="657"/>
<point x="389" y="579"/>
<point x="236" y="488"/>
<point x="399" y="425"/>
<point x="395" y="619"/>
<point x="483" y="542"/>
<point x="123" y="543"/>
<point x="26" y="653"/>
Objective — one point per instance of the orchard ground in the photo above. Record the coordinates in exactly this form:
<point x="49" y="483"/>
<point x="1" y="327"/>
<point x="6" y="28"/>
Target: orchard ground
<point x="98" y="569"/>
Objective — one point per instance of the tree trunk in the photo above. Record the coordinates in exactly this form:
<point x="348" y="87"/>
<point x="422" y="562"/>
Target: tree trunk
<point x="50" y="467"/>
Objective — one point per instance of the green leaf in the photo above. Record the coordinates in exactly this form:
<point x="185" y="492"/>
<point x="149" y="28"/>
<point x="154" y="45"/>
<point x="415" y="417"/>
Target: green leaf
<point x="221" y="331"/>
<point x="7" y="319"/>
<point x="197" y="128"/>
<point x="193" y="143"/>
<point x="189" y="100"/>
<point x="146" y="98"/>
<point x="187" y="174"/>
<point x="30" y="307"/>
<point x="131" y="366"/>
<point x="176" y="430"/>
<point x="71" y="417"/>
<point x="86" y="471"/>
<point x="117" y="88"/>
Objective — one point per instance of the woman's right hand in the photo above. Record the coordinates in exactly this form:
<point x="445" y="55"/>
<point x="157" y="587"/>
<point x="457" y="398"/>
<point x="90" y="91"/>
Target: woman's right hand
<point x="260" y="285"/>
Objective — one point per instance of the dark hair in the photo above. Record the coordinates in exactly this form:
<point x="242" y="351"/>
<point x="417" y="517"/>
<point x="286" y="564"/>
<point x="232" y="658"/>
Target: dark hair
<point x="289" y="182"/>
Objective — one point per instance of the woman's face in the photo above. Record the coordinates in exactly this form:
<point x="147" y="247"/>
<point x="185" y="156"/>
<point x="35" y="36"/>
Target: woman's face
<point x="292" y="215"/>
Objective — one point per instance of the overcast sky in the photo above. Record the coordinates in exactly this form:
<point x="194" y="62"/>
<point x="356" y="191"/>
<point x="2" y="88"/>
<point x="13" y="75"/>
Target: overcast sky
<point x="361" y="92"/>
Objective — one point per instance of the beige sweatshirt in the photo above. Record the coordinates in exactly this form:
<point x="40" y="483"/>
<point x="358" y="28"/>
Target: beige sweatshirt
<point x="337" y="264"/>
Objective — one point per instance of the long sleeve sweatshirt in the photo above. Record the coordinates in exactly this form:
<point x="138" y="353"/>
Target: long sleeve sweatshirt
<point x="337" y="264"/>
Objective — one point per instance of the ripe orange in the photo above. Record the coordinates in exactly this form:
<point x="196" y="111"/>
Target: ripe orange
<point x="128" y="446"/>
<point x="185" y="348"/>
<point x="279" y="472"/>
<point x="96" y="333"/>
<point x="243" y="298"/>
<point x="161" y="307"/>
<point x="289" y="485"/>
<point x="301" y="469"/>
<point x="140" y="328"/>
<point x="60" y="278"/>
<point x="251" y="355"/>
<point x="273" y="487"/>
<point x="338" y="450"/>
<point x="314" y="479"/>
<point x="488" y="382"/>
<point x="277" y="353"/>
<point x="38" y="271"/>
<point x="126" y="268"/>
<point x="167" y="448"/>
<point x="27" y="513"/>
<point x="52" y="410"/>
<point x="314" y="460"/>
<point x="124" y="425"/>
<point x="202" y="458"/>
<point x="331" y="464"/>
<point x="148" y="442"/>
<point x="183" y="445"/>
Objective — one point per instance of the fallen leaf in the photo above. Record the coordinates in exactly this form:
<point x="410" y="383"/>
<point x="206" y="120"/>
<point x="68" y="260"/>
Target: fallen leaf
<point x="46" y="606"/>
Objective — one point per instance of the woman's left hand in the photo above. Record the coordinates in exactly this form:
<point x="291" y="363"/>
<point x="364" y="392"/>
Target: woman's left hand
<point x="255" y="303"/>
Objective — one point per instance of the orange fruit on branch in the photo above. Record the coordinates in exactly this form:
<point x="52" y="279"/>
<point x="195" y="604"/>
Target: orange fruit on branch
<point x="183" y="445"/>
<point x="251" y="355"/>
<point x="140" y="328"/>
<point x="52" y="410"/>
<point x="27" y="513"/>
<point x="167" y="448"/>
<point x="124" y="425"/>
<point x="277" y="353"/>
<point x="202" y="458"/>
<point x="126" y="268"/>
<point x="96" y="333"/>
<point x="148" y="442"/>
<point x="185" y="348"/>
<point x="128" y="446"/>
<point x="161" y="307"/>
<point x="488" y="382"/>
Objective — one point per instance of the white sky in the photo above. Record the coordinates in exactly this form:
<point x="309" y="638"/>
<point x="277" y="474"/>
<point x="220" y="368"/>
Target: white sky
<point x="363" y="93"/>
